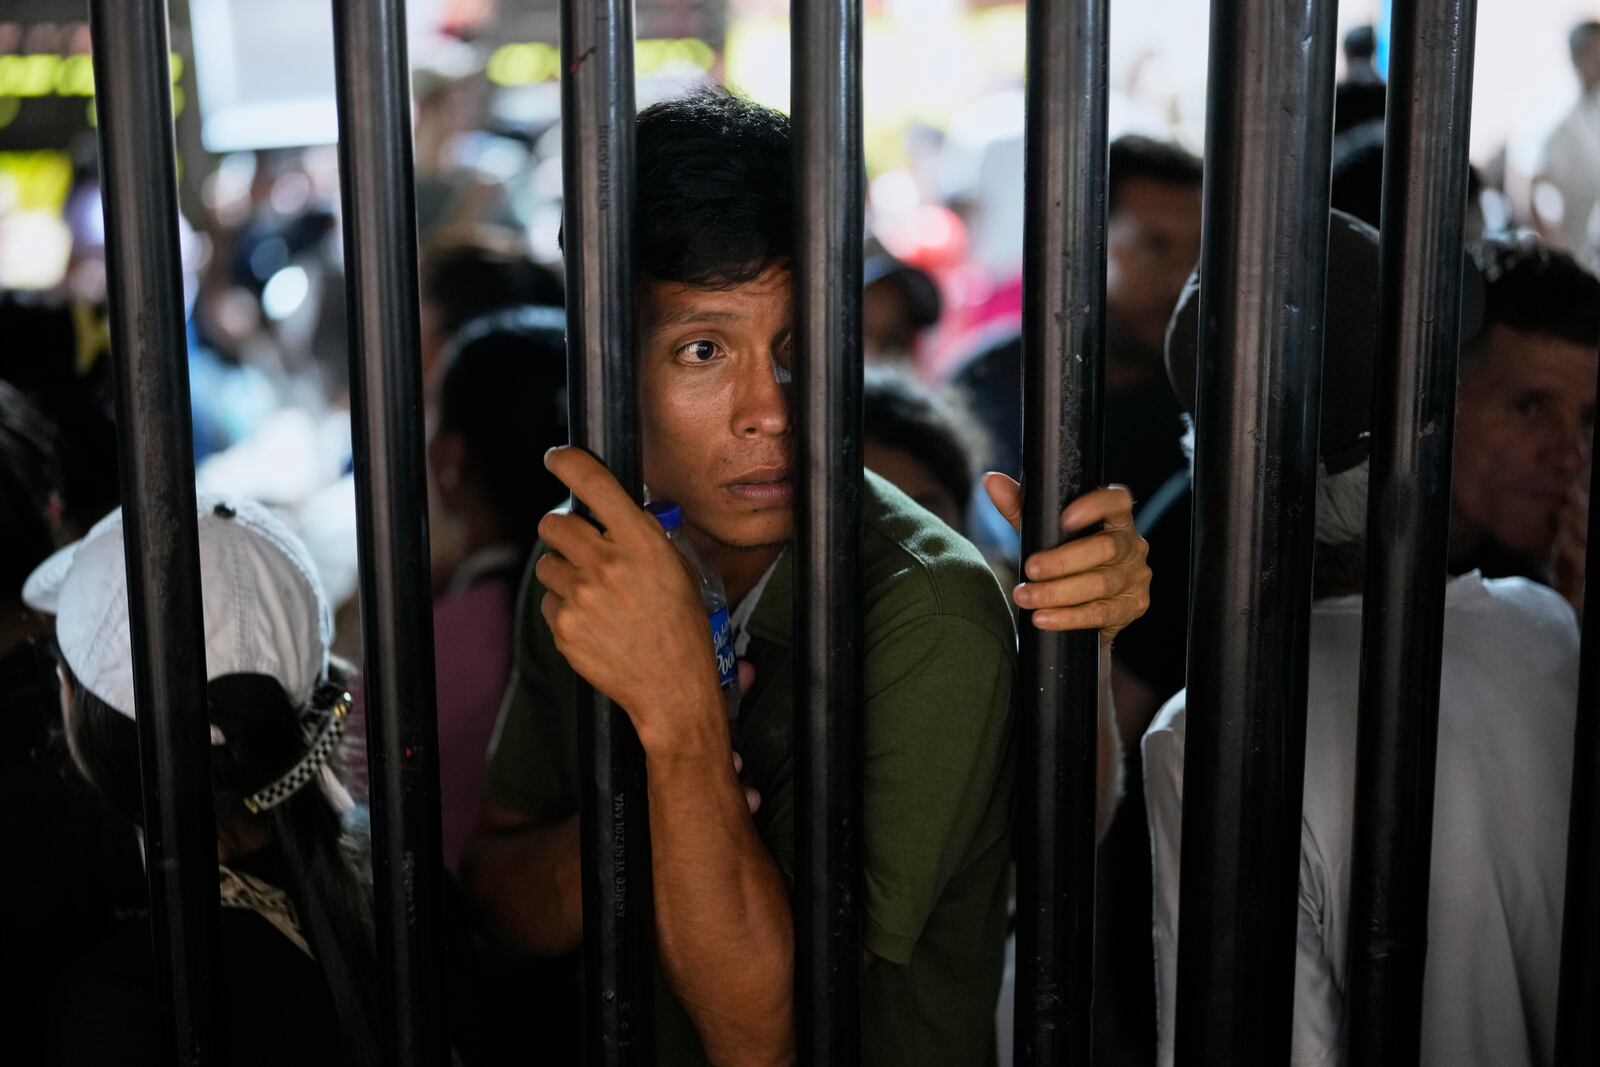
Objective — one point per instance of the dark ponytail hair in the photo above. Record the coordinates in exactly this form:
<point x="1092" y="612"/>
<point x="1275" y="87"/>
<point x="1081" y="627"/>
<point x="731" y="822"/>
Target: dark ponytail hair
<point x="327" y="875"/>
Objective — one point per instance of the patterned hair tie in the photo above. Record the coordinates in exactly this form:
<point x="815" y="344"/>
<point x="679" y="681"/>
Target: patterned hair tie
<point x="321" y="747"/>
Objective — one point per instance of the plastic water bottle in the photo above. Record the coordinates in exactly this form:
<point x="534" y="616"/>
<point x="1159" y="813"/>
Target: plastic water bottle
<point x="670" y="516"/>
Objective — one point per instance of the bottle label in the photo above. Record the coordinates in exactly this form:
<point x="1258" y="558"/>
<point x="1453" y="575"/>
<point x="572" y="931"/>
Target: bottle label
<point x="722" y="644"/>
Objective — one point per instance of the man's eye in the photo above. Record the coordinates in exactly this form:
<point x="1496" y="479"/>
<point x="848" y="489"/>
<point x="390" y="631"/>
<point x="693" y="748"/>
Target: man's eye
<point x="783" y="361"/>
<point x="698" y="351"/>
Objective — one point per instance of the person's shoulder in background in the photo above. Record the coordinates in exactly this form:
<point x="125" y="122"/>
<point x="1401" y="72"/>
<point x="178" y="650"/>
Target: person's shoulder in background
<point x="1536" y="604"/>
<point x="913" y="564"/>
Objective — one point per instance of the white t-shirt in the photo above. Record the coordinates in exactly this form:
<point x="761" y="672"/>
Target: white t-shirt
<point x="1507" y="710"/>
<point x="1570" y="160"/>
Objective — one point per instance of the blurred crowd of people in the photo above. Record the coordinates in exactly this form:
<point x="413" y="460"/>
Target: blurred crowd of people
<point x="270" y="389"/>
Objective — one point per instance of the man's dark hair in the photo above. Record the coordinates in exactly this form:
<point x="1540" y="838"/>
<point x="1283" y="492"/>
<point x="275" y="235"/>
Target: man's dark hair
<point x="715" y="205"/>
<point x="1534" y="288"/>
<point x="504" y="393"/>
<point x="1136" y="156"/>
<point x="1582" y="35"/>
<point x="471" y="275"/>
<point x="937" y="428"/>
<point x="1356" y="186"/>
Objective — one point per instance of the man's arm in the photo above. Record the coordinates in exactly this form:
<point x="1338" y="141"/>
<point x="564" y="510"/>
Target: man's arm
<point x="723" y="928"/>
<point x="625" y="616"/>
<point x="723" y="922"/>
<point x="526" y="880"/>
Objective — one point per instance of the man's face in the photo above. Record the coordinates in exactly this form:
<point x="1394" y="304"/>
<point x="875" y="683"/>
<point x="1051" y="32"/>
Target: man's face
<point x="1523" y="432"/>
<point x="1152" y="245"/>
<point x="714" y="407"/>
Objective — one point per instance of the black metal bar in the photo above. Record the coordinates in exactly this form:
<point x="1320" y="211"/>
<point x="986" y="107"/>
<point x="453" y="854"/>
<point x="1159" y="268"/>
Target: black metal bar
<point x="1577" y="1021"/>
<point x="828" y="172"/>
<point x="139" y="179"/>
<point x="380" y="240"/>
<point x="1408" y="522"/>
<point x="1063" y="330"/>
<point x="597" y="152"/>
<point x="1263" y="265"/>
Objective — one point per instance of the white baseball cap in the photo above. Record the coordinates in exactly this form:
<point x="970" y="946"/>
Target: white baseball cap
<point x="265" y="611"/>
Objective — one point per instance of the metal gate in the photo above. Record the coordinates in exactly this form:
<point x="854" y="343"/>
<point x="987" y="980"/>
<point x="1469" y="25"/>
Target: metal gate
<point x="1262" y="268"/>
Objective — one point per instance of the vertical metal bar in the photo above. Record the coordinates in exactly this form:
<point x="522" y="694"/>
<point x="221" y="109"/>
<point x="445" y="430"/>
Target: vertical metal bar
<point x="597" y="151"/>
<point x="829" y="174"/>
<point x="1577" y="1021"/>
<point x="1408" y="522"/>
<point x="380" y="240"/>
<point x="1063" y="330"/>
<point x="139" y="179"/>
<point x="1263" y="266"/>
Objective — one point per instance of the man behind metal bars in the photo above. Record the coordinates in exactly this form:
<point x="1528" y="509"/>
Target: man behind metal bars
<point x="1508" y="692"/>
<point x="713" y="237"/>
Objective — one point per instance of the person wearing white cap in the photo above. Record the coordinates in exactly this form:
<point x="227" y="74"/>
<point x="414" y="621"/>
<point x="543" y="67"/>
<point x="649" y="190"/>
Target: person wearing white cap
<point x="298" y="973"/>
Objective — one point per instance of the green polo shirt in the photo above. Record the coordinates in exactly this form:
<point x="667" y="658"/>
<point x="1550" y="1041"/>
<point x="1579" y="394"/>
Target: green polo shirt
<point x="939" y="762"/>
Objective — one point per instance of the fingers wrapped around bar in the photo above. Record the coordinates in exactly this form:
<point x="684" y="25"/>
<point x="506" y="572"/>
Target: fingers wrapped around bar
<point x="1097" y="581"/>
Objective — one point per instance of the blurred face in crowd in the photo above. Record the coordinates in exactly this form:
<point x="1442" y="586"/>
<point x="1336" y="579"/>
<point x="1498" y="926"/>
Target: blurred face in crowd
<point x="915" y="479"/>
<point x="888" y="328"/>
<point x="714" y="407"/>
<point x="1523" y="430"/>
<point x="1152" y="244"/>
<point x="1588" y="62"/>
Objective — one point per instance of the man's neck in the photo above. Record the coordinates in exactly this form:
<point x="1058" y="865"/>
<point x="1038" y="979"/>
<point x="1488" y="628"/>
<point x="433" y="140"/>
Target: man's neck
<point x="739" y="568"/>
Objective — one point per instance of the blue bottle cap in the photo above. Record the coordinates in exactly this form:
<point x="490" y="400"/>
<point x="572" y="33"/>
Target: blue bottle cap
<point x="668" y="514"/>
